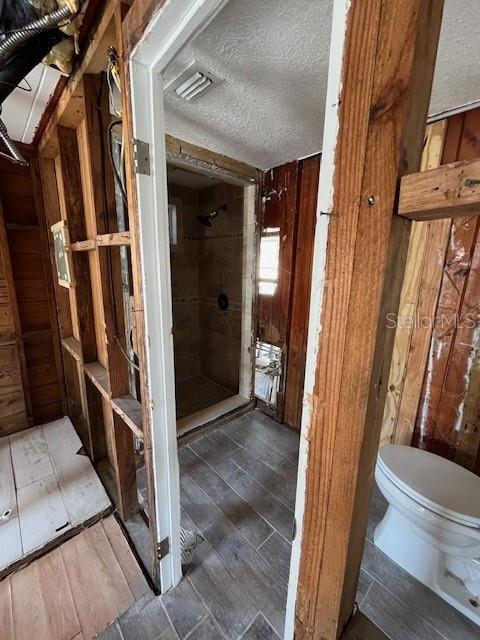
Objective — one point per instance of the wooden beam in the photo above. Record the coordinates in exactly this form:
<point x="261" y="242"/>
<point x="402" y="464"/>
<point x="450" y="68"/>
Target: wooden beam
<point x="83" y="245"/>
<point x="429" y="271"/>
<point x="119" y="239"/>
<point x="43" y="231"/>
<point x="131" y="30"/>
<point x="69" y="109"/>
<point x="451" y="191"/>
<point x="72" y="189"/>
<point x="184" y="152"/>
<point x="381" y="70"/>
<point x="424" y="242"/>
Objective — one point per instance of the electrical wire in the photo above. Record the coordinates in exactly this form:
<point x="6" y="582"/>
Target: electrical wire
<point x="116" y="173"/>
<point x="125" y="354"/>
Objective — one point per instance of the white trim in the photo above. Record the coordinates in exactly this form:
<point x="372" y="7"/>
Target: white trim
<point x="324" y="203"/>
<point x="215" y="411"/>
<point x="170" y="29"/>
<point x="155" y="247"/>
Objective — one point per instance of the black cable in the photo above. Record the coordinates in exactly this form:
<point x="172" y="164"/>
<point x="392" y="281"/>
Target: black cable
<point x="116" y="173"/>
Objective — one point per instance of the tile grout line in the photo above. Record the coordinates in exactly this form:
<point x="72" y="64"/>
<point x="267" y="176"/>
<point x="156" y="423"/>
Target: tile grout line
<point x="164" y="608"/>
<point x="241" y="497"/>
<point x="374" y="579"/>
<point x="205" y="605"/>
<point x="247" y="541"/>
<point x="225" y="479"/>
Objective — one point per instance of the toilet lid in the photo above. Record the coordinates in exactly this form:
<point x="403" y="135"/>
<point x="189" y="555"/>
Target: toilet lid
<point x="436" y="483"/>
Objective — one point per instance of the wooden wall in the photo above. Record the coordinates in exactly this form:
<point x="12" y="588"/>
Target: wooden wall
<point x="282" y="319"/>
<point x="448" y="419"/>
<point x="433" y="398"/>
<point x="31" y="312"/>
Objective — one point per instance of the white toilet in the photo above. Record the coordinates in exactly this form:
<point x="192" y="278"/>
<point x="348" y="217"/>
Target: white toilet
<point x="432" y="524"/>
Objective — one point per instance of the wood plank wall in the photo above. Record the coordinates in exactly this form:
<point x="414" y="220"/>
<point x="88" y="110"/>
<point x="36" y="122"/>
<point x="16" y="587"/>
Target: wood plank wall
<point x="25" y="255"/>
<point x="282" y="319"/>
<point x="448" y="418"/>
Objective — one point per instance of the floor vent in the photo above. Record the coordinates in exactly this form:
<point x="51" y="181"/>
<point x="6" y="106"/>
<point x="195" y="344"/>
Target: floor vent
<point x="195" y="81"/>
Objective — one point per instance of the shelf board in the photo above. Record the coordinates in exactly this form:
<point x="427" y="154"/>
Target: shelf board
<point x="72" y="345"/>
<point x="130" y="410"/>
<point x="98" y="375"/>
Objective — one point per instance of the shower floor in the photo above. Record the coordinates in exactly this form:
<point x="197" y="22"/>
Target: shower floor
<point x="197" y="393"/>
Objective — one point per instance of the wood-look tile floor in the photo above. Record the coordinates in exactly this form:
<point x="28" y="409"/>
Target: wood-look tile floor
<point x="74" y="591"/>
<point x="238" y="491"/>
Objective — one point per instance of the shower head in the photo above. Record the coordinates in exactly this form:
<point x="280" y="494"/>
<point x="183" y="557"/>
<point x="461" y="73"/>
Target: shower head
<point x="207" y="220"/>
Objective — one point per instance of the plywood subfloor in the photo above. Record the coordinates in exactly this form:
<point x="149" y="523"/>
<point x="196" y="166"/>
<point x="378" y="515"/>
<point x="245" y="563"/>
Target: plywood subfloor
<point x="47" y="488"/>
<point x="74" y="591"/>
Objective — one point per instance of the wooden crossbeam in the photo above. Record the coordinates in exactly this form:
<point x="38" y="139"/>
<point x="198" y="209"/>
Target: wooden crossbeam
<point x="119" y="239"/>
<point x="451" y="191"/>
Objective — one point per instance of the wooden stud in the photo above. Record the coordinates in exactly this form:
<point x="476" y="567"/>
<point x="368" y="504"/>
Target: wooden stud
<point x="126" y="36"/>
<point x="423" y="246"/>
<point x="387" y="64"/>
<point x="72" y="190"/>
<point x="125" y="471"/>
<point x="69" y="109"/>
<point x="451" y="191"/>
<point x="43" y="231"/>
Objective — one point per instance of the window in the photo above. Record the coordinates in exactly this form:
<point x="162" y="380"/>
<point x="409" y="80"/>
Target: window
<point x="269" y="261"/>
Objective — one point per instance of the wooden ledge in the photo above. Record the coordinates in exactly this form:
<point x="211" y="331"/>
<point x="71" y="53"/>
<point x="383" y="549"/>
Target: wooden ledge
<point x="98" y="375"/>
<point x="130" y="411"/>
<point x="451" y="191"/>
<point x="72" y="345"/>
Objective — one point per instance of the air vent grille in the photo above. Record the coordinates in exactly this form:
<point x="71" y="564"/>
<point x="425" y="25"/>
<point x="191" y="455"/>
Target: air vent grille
<point x="193" y="85"/>
<point x="193" y="82"/>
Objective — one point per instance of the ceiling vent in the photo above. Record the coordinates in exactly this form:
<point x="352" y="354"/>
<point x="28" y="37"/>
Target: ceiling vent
<point x="192" y="83"/>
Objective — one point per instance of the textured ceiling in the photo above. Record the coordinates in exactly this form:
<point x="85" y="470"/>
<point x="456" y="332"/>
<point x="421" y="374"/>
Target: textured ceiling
<point x="22" y="110"/>
<point x="273" y="57"/>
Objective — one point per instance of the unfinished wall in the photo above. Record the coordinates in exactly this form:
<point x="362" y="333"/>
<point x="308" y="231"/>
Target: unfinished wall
<point x="448" y="419"/>
<point x="282" y="319"/>
<point x="26" y="256"/>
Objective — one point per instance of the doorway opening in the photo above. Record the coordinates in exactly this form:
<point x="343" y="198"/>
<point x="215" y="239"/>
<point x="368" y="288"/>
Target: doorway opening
<point x="212" y="256"/>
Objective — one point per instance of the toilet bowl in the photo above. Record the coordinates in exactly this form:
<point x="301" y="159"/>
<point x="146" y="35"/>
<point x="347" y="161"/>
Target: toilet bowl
<point x="432" y="524"/>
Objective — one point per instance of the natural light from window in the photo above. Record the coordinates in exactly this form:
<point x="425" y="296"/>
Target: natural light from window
<point x="269" y="261"/>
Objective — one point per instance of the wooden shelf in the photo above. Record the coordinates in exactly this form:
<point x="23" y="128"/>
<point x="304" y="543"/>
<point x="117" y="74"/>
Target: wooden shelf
<point x="72" y="345"/>
<point x="98" y="375"/>
<point x="130" y="410"/>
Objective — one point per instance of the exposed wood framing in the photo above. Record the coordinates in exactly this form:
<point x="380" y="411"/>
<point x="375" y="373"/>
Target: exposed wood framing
<point x="446" y="423"/>
<point x="138" y="305"/>
<point x="386" y="52"/>
<point x="119" y="239"/>
<point x="426" y="251"/>
<point x="78" y="186"/>
<point x="452" y="190"/>
<point x="183" y="152"/>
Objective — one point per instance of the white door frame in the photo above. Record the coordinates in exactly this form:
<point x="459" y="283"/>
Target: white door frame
<point x="174" y="24"/>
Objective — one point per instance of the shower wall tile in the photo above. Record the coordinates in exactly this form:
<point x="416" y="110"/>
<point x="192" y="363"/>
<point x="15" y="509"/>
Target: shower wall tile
<point x="206" y="262"/>
<point x="185" y="283"/>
